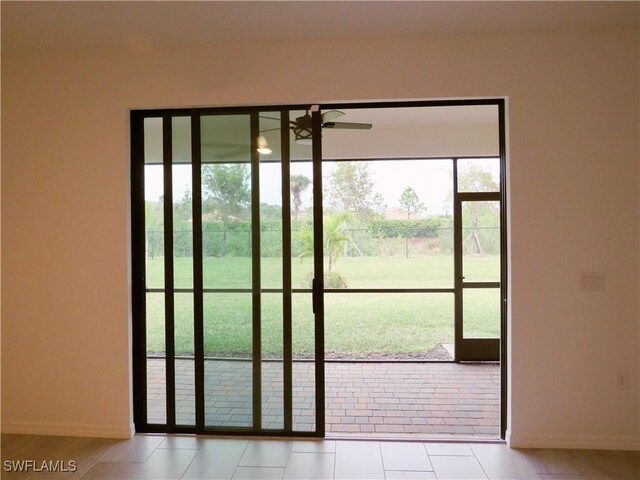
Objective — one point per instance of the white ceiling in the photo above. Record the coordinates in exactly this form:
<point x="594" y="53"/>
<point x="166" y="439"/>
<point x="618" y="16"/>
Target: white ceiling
<point x="396" y="132"/>
<point x="61" y="25"/>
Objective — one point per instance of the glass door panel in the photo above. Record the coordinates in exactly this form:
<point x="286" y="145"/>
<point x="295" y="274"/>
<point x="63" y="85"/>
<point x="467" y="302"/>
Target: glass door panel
<point x="251" y="241"/>
<point x="184" y="359"/>
<point x="154" y="302"/>
<point x="481" y="241"/>
<point x="478" y="239"/>
<point x="182" y="187"/>
<point x="272" y="361"/>
<point x="304" y="385"/>
<point x="156" y="381"/>
<point x="227" y="270"/>
<point x="153" y="205"/>
<point x="183" y="314"/>
<point x="304" y="355"/>
<point x="226" y="176"/>
<point x="272" y="267"/>
<point x="168" y="270"/>
<point x="228" y="367"/>
<point x="478" y="174"/>
<point x="481" y="313"/>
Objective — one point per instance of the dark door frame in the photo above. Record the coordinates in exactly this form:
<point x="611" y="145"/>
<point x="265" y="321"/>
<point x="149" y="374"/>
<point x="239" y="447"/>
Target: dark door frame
<point x="470" y="349"/>
<point x="138" y="262"/>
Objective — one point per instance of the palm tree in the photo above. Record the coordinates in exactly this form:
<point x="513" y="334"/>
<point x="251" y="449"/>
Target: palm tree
<point x="299" y="183"/>
<point x="334" y="237"/>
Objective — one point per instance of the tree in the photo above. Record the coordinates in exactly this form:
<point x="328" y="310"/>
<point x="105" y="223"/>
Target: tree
<point x="154" y="224"/>
<point x="410" y="201"/>
<point x="350" y="189"/>
<point x="378" y="204"/>
<point x="334" y="236"/>
<point x="182" y="210"/>
<point x="183" y="225"/>
<point x="227" y="187"/>
<point x="270" y="212"/>
<point x="334" y="239"/>
<point x="154" y="213"/>
<point x="299" y="183"/>
<point x="472" y="178"/>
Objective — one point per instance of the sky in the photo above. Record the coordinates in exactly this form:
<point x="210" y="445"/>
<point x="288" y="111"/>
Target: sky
<point x="431" y="179"/>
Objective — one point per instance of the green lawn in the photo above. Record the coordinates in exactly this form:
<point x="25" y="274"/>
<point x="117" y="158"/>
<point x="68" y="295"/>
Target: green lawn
<point x="354" y="323"/>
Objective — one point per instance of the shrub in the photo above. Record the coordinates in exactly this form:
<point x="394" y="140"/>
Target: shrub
<point x="331" y="280"/>
<point x="334" y="280"/>
<point x="426" y="228"/>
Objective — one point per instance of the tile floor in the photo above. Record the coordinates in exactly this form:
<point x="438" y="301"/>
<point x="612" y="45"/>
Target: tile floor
<point x="189" y="457"/>
<point x="441" y="400"/>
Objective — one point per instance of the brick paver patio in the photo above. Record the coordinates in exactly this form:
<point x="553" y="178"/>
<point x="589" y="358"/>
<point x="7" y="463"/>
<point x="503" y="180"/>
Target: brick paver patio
<point x="372" y="399"/>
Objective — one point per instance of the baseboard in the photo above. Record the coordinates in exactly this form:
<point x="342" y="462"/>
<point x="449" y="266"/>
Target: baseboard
<point x="68" y="429"/>
<point x="578" y="442"/>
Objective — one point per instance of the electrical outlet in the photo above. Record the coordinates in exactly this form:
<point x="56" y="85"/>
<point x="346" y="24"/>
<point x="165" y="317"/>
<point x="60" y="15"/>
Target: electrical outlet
<point x="623" y="380"/>
<point x="592" y="281"/>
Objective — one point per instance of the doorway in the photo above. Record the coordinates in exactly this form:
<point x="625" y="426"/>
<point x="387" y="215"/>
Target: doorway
<point x="229" y="330"/>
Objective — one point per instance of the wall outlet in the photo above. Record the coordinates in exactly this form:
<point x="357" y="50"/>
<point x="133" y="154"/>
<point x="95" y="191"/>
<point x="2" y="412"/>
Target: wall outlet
<point x="591" y="281"/>
<point x="623" y="380"/>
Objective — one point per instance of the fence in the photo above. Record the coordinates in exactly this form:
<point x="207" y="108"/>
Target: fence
<point x="364" y="242"/>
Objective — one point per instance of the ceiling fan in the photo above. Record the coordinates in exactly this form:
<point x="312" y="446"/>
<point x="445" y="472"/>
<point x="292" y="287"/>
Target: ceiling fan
<point x="302" y="125"/>
<point x="302" y="130"/>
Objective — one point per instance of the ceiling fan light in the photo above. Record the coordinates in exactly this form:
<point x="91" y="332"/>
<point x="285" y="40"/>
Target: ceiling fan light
<point x="303" y="136"/>
<point x="263" y="146"/>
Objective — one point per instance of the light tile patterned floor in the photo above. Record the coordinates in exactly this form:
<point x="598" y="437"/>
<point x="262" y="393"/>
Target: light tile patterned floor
<point x="191" y="457"/>
<point x="372" y="399"/>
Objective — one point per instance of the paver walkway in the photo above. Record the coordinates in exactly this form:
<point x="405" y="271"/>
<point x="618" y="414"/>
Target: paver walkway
<point x="364" y="399"/>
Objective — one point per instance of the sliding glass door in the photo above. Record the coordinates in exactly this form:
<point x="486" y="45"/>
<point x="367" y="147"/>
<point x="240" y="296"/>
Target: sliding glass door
<point x="217" y="200"/>
<point x="229" y="264"/>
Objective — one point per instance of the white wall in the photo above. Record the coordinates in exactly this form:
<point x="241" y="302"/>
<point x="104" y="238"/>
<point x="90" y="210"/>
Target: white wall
<point x="574" y="206"/>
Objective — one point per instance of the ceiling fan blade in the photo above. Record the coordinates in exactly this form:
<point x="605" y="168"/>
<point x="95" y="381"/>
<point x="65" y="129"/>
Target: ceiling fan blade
<point x="331" y="115"/>
<point x="269" y="130"/>
<point x="348" y="125"/>
<point x="269" y="118"/>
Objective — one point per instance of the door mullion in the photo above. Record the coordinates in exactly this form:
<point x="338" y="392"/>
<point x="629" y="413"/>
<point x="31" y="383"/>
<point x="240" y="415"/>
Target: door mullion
<point x="255" y="272"/>
<point x="318" y="258"/>
<point x="198" y="309"/>
<point x="503" y="268"/>
<point x="170" y="376"/>
<point x="457" y="264"/>
<point x="138" y="235"/>
<point x="287" y="353"/>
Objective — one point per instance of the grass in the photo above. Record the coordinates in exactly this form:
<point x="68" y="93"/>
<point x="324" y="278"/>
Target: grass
<point x="356" y="324"/>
